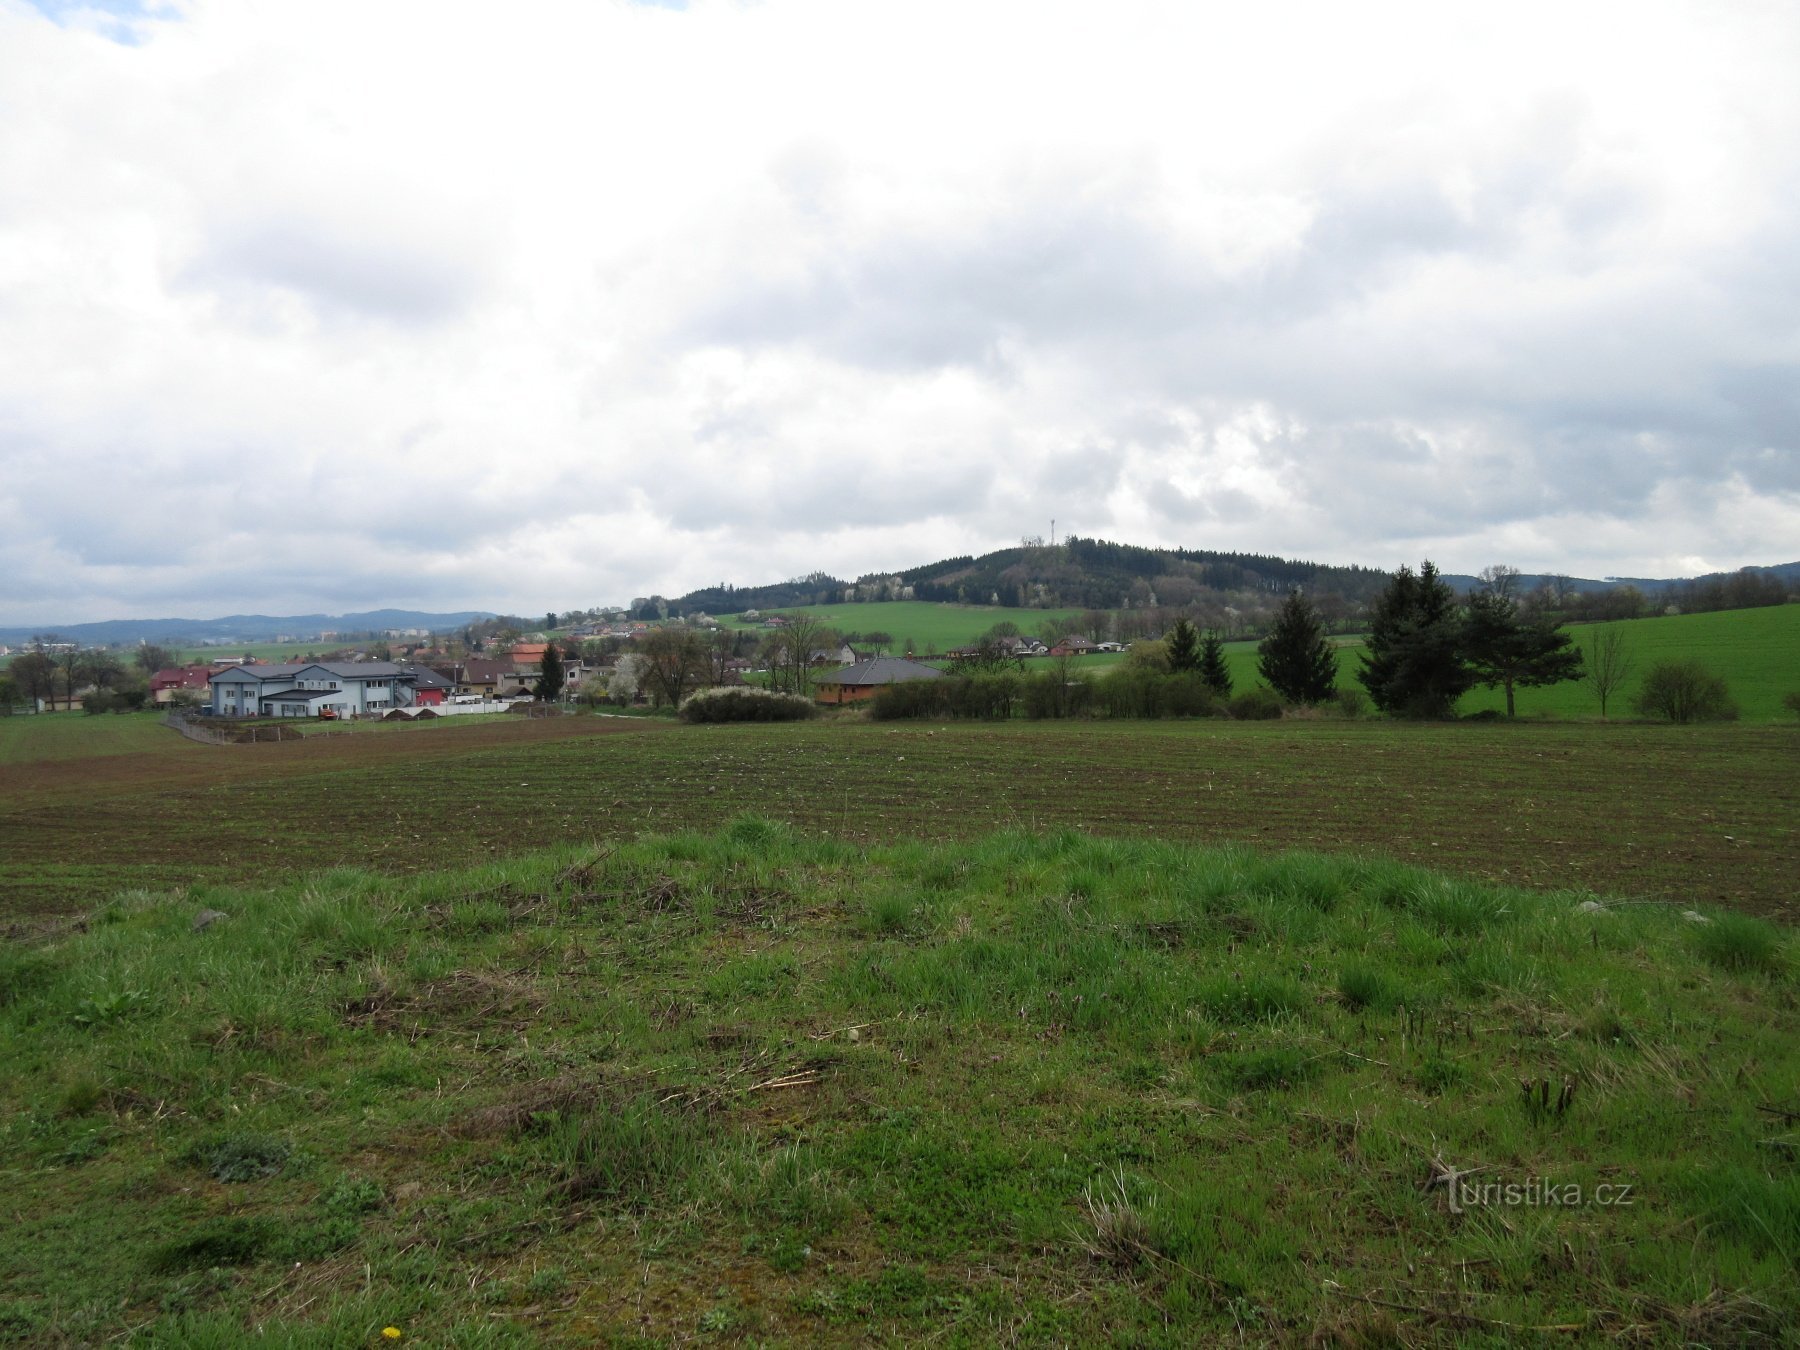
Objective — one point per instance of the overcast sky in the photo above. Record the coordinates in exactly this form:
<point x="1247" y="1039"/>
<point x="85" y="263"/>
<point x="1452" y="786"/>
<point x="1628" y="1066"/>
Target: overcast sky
<point x="320" y="306"/>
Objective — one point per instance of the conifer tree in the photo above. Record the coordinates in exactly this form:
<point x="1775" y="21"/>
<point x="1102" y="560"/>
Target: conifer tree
<point x="1213" y="671"/>
<point x="1505" y="650"/>
<point x="1295" y="658"/>
<point x="550" y="675"/>
<point x="1415" y="666"/>
<point x="1184" y="647"/>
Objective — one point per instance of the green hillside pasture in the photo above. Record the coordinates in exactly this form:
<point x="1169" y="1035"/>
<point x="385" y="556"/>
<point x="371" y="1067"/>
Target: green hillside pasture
<point x="929" y="625"/>
<point x="1686" y="814"/>
<point x="1756" y="651"/>
<point x="752" y="1087"/>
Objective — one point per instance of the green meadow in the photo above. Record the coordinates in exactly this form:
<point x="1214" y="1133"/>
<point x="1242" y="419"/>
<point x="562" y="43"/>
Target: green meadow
<point x="1757" y="651"/>
<point x="929" y="625"/>
<point x="74" y="736"/>
<point x="755" y="1086"/>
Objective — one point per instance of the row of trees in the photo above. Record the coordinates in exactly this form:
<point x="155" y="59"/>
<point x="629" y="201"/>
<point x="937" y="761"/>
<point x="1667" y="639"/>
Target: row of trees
<point x="1425" y="650"/>
<point x="51" y="669"/>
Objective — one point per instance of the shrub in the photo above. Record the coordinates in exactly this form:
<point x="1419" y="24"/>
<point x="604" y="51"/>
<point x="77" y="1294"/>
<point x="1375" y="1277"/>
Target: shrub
<point x="745" y="703"/>
<point x="1351" y="701"/>
<point x="1256" y="705"/>
<point x="912" y="698"/>
<point x="1052" y="693"/>
<point x="1685" y="691"/>
<point x="1187" y="695"/>
<point x="1792" y="702"/>
<point x="986" y="697"/>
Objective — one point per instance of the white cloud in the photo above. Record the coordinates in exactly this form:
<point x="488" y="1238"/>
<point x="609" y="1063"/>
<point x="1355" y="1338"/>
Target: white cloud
<point x="327" y="306"/>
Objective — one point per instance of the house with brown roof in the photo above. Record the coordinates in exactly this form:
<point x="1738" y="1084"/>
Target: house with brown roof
<point x="863" y="680"/>
<point x="476" y="676"/>
<point x="164" y="683"/>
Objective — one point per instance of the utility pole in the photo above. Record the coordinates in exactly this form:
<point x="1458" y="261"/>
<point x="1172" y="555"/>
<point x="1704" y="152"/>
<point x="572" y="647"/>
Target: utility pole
<point x="1052" y="531"/>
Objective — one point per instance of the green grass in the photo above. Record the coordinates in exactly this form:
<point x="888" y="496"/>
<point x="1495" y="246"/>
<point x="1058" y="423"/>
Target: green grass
<point x="1757" y="651"/>
<point x="763" y="1085"/>
<point x="48" y="737"/>
<point x="929" y="625"/>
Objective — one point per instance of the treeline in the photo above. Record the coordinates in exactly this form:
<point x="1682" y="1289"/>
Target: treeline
<point x="815" y="588"/>
<point x="1749" y="588"/>
<point x="1126" y="692"/>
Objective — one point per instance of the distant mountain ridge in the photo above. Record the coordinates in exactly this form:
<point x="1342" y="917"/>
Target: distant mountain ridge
<point x="241" y="627"/>
<point x="1529" y="581"/>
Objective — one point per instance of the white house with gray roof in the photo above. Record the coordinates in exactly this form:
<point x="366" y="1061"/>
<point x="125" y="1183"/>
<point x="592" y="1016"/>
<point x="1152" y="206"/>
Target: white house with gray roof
<point x="345" y="688"/>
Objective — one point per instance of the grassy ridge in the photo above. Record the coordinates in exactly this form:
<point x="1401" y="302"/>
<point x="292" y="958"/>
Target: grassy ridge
<point x="1756" y="650"/>
<point x="927" y="623"/>
<point x="1038" y="1087"/>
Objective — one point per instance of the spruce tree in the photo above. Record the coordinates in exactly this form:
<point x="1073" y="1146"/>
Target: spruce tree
<point x="1184" y="647"/>
<point x="1415" y="666"/>
<point x="1213" y="671"/>
<point x="1295" y="658"/>
<point x="550" y="675"/>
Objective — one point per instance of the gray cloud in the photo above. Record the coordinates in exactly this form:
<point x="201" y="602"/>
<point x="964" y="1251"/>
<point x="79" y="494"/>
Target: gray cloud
<point x="306" y="322"/>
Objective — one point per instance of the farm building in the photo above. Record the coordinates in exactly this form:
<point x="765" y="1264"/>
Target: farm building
<point x="860" y="681"/>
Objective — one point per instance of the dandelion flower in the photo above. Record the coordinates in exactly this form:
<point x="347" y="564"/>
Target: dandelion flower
<point x="390" y="1333"/>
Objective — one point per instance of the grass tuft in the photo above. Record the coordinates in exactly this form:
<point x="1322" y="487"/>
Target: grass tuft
<point x="1741" y="943"/>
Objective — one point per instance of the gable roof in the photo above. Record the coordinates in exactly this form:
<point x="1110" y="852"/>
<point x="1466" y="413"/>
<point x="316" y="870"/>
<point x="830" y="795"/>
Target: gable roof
<point x="181" y="677"/>
<point x="882" y="670"/>
<point x="343" y="670"/>
<point x="476" y="670"/>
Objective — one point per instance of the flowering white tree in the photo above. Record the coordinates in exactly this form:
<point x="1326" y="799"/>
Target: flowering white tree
<point x="622" y="684"/>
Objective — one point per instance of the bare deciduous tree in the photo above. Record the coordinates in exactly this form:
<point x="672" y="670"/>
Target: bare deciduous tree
<point x="674" y="661"/>
<point x="1608" y="664"/>
<point x="1500" y="580"/>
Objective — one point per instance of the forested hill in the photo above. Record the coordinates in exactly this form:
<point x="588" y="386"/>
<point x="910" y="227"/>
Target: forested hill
<point x="1096" y="574"/>
<point x="1077" y="574"/>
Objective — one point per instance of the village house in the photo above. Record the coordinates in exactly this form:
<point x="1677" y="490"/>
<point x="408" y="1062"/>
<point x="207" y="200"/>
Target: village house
<point x="855" y="683"/>
<point x="430" y="689"/>
<point x="165" y="683"/>
<point x="475" y="677"/>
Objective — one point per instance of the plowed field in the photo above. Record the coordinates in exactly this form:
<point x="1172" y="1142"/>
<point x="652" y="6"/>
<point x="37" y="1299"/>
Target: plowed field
<point x="1691" y="815"/>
